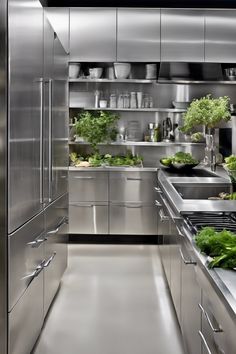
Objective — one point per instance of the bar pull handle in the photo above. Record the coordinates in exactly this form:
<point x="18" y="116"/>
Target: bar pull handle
<point x="187" y="262"/>
<point x="36" y="272"/>
<point x="163" y="216"/>
<point x="134" y="179"/>
<point x="158" y="204"/>
<point x="50" y="138"/>
<point x="36" y="243"/>
<point x="158" y="190"/>
<point x="203" y="339"/>
<point x="179" y="231"/>
<point x="50" y="259"/>
<point x="55" y="231"/>
<point x="215" y="330"/>
<point x="84" y="177"/>
<point x="41" y="82"/>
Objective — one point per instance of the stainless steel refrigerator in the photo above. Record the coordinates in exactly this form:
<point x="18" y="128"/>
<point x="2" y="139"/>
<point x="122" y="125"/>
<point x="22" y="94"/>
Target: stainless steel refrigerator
<point x="33" y="240"/>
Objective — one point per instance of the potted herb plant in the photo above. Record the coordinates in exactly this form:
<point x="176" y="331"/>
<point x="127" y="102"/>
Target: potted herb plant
<point x="207" y="112"/>
<point x="96" y="127"/>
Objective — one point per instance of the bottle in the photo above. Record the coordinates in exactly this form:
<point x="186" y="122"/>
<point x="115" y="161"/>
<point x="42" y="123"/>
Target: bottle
<point x="157" y="133"/>
<point x="97" y="96"/>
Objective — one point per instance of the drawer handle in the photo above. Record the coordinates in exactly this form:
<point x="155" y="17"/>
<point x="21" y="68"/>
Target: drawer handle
<point x="179" y="231"/>
<point x="203" y="339"/>
<point x="81" y="205"/>
<point x="158" y="190"/>
<point x="84" y="177"/>
<point x="36" y="243"/>
<point x="134" y="179"/>
<point x="163" y="216"/>
<point x="47" y="263"/>
<point x="62" y="223"/>
<point x="187" y="262"/>
<point x="158" y="204"/>
<point x="36" y="272"/>
<point x="134" y="206"/>
<point x="215" y="330"/>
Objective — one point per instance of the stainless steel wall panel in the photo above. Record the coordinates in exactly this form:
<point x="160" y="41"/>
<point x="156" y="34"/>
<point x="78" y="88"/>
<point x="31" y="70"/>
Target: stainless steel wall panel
<point x="138" y="35"/>
<point x="25" y="109"/>
<point x="88" y="218"/>
<point x="26" y="319"/>
<point x="26" y="252"/>
<point x="93" y="34"/>
<point x="88" y="186"/>
<point x="3" y="177"/>
<point x="182" y="35"/>
<point x="220" y="36"/>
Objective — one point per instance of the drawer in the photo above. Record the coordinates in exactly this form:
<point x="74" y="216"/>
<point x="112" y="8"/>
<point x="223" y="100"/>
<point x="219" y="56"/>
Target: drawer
<point x="133" y="219"/>
<point x="26" y="318"/>
<point x="88" y="218"/>
<point x="26" y="253"/>
<point x="218" y="325"/>
<point x="132" y="186"/>
<point x="88" y="186"/>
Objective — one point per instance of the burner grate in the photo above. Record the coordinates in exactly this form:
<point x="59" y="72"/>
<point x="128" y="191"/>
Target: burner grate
<point x="219" y="221"/>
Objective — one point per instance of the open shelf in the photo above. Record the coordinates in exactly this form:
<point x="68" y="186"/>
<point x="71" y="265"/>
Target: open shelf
<point x="127" y="81"/>
<point x="170" y="110"/>
<point x="140" y="143"/>
<point x="223" y="82"/>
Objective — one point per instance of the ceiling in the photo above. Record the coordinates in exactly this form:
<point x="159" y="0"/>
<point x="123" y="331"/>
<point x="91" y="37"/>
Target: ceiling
<point x="145" y="3"/>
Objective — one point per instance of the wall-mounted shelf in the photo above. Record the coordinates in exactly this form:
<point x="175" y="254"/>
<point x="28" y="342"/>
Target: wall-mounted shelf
<point x="170" y="110"/>
<point x="140" y="143"/>
<point x="189" y="82"/>
<point x="127" y="81"/>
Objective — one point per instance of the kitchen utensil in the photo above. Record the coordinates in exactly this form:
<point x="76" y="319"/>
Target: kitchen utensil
<point x="103" y="103"/>
<point x="110" y="73"/>
<point x="151" y="71"/>
<point x="140" y="99"/>
<point x="74" y="69"/>
<point x="122" y="70"/>
<point x="95" y="73"/>
<point x="181" y="105"/>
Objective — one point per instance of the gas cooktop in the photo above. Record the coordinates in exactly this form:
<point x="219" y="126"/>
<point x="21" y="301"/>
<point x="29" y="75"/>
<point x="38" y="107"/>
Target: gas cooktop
<point x="219" y="221"/>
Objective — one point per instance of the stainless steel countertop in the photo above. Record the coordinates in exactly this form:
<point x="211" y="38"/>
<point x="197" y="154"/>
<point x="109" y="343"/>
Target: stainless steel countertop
<point x="183" y="206"/>
<point x="114" y="169"/>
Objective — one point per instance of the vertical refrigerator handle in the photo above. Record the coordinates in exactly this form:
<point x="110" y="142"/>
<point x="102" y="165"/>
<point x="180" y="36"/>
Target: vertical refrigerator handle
<point x="50" y="138"/>
<point x="41" y="82"/>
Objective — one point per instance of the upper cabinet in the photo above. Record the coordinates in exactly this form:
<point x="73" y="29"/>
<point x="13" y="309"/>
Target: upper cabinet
<point x="220" y="36"/>
<point x="182" y="35"/>
<point x="93" y="34"/>
<point x="138" y="35"/>
<point x="59" y="19"/>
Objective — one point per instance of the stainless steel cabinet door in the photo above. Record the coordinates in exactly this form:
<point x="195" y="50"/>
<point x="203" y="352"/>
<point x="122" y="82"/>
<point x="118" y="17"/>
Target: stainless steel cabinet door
<point x="26" y="319"/>
<point x="220" y="36"/>
<point x="132" y="186"/>
<point x="182" y="35"/>
<point x="59" y="131"/>
<point x="132" y="219"/>
<point x="26" y="253"/>
<point x="88" y="218"/>
<point x="25" y="111"/>
<point x="56" y="220"/>
<point x="138" y="35"/>
<point x="87" y="186"/>
<point x="190" y="298"/>
<point x="93" y="34"/>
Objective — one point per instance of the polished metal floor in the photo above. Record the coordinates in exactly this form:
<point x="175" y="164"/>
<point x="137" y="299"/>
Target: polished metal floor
<point x="113" y="300"/>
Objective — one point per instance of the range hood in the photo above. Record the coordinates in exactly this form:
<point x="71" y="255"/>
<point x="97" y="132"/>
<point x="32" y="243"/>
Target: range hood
<point x="175" y="71"/>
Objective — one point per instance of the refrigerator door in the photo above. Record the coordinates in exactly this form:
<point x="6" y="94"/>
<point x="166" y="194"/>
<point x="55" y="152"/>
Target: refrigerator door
<point x="60" y="114"/>
<point x="25" y="111"/>
<point x="56" y="218"/>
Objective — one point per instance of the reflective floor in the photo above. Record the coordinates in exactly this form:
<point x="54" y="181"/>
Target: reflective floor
<point x="113" y="300"/>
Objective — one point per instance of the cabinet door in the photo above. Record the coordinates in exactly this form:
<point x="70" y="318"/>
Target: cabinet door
<point x="182" y="35"/>
<point x="93" y="34"/>
<point x="220" y="36"/>
<point x="138" y="35"/>
<point x="88" y="218"/>
<point x="132" y="219"/>
<point x="190" y="298"/>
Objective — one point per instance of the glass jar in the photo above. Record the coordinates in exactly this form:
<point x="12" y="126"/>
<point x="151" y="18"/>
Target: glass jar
<point x="133" y="100"/>
<point x="112" y="102"/>
<point x="126" y="100"/>
<point x="121" y="101"/>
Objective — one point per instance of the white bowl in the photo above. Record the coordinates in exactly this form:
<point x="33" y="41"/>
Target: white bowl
<point x="181" y="105"/>
<point x="122" y="70"/>
<point x="74" y="69"/>
<point x="95" y="73"/>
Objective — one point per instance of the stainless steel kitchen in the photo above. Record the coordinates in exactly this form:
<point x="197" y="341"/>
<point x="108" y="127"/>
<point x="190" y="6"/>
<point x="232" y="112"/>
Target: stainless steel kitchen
<point x="117" y="177"/>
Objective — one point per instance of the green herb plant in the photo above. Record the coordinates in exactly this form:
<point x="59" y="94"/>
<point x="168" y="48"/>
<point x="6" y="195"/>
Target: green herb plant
<point x="97" y="127"/>
<point x="206" y="111"/>
<point x="221" y="246"/>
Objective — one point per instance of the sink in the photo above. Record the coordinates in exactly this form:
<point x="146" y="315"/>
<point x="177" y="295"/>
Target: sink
<point x="201" y="190"/>
<point x="195" y="172"/>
